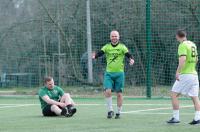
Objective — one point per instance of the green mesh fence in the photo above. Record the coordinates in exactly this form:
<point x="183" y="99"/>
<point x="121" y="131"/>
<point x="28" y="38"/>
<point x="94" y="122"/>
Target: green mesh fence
<point x="48" y="37"/>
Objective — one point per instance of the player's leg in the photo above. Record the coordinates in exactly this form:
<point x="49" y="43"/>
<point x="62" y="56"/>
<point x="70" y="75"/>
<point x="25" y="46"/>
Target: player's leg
<point x="66" y="98"/>
<point x="69" y="103"/>
<point x="119" y="87"/>
<point x="53" y="110"/>
<point x="194" y="93"/>
<point x="108" y="96"/>
<point x="48" y="112"/>
<point x="175" y="92"/>
<point x="56" y="109"/>
<point x="196" y="103"/>
<point x="119" y="105"/>
<point x="108" y="84"/>
<point x="175" y="104"/>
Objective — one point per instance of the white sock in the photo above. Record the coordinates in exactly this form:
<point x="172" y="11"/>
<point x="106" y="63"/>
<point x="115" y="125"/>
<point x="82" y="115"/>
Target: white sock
<point x="119" y="109"/>
<point x="109" y="103"/>
<point x="176" y="114"/>
<point x="197" y="116"/>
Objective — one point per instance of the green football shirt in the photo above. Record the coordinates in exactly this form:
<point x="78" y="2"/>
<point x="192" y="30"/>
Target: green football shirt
<point x="115" y="57"/>
<point x="188" y="49"/>
<point x="54" y="94"/>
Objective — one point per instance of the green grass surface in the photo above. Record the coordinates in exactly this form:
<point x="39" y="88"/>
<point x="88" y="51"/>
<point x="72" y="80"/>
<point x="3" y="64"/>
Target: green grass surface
<point x="91" y="116"/>
<point x="90" y="91"/>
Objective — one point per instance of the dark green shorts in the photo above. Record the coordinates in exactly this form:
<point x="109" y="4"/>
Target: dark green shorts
<point x="114" y="81"/>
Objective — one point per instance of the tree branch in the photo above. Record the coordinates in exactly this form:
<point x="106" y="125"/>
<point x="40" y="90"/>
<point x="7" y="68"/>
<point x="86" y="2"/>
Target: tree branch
<point x="68" y="41"/>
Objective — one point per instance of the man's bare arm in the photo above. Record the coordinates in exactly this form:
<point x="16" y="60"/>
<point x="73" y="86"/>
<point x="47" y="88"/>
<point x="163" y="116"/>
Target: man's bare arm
<point x="182" y="60"/>
<point x="52" y="102"/>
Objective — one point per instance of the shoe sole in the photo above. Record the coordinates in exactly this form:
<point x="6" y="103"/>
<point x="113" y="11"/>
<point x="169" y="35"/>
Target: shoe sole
<point x="110" y="117"/>
<point x="195" y="124"/>
<point x="173" y="123"/>
<point x="73" y="112"/>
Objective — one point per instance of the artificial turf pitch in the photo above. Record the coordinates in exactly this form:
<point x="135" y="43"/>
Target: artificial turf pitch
<point x="23" y="114"/>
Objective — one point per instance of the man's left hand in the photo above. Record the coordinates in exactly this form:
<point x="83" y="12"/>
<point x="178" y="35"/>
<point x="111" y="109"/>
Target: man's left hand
<point x="131" y="62"/>
<point x="177" y="76"/>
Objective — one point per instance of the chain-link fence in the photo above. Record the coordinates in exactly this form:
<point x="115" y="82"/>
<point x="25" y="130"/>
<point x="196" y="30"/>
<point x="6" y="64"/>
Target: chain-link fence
<point x="50" y="37"/>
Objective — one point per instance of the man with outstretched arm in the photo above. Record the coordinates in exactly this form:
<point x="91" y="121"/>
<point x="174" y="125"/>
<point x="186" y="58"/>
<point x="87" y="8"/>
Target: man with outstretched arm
<point x="114" y="75"/>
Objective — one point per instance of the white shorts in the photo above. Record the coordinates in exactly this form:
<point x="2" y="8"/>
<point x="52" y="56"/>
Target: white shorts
<point x="188" y="84"/>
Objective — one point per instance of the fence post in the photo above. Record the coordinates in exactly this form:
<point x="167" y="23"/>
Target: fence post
<point x="148" y="49"/>
<point x="89" y="44"/>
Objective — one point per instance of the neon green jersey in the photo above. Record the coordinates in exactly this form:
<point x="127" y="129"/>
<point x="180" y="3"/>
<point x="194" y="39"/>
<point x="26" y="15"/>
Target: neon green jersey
<point x="115" y="57"/>
<point x="54" y="94"/>
<point x="188" y="49"/>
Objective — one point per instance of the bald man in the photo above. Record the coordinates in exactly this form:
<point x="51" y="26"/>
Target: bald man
<point x="114" y="75"/>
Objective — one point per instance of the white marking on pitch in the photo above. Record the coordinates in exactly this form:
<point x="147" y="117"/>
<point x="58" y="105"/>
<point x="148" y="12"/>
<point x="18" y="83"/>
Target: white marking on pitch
<point x="131" y="104"/>
<point x="13" y="106"/>
<point x="24" y="105"/>
<point x="2" y="106"/>
<point x="163" y="108"/>
<point x="160" y="113"/>
<point x="98" y="104"/>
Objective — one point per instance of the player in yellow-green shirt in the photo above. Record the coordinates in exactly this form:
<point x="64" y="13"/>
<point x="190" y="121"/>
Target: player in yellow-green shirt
<point x="115" y="52"/>
<point x="187" y="82"/>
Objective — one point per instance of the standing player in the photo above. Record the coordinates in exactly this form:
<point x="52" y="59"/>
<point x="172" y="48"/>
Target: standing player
<point x="54" y="102"/>
<point x="114" y="75"/>
<point x="186" y="77"/>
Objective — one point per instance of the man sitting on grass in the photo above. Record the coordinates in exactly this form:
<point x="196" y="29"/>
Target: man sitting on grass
<point x="54" y="102"/>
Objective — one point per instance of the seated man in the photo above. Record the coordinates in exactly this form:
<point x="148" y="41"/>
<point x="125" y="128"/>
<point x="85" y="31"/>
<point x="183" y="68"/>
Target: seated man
<point x="54" y="102"/>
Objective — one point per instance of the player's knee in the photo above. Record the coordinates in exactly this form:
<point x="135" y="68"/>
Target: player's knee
<point x="67" y="95"/>
<point x="108" y="93"/>
<point x="54" y="107"/>
<point x="173" y="95"/>
<point x="119" y="95"/>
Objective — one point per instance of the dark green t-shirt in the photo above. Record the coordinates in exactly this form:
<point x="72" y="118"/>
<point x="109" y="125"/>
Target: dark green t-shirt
<point x="54" y="94"/>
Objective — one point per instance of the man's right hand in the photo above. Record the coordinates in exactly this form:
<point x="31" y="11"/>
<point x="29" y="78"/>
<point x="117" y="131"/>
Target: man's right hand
<point x="62" y="105"/>
<point x="93" y="55"/>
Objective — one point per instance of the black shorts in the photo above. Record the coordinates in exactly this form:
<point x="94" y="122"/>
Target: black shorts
<point x="47" y="111"/>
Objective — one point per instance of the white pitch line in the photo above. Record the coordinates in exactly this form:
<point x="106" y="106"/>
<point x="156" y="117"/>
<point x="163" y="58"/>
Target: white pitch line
<point x="165" y="108"/>
<point x="127" y="112"/>
<point x="97" y="104"/>
<point x="133" y="104"/>
<point x="104" y="104"/>
<point x="23" y="105"/>
<point x="17" y="106"/>
<point x="145" y="113"/>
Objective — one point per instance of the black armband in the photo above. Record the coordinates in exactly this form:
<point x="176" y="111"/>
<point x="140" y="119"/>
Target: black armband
<point x="99" y="54"/>
<point x="128" y="55"/>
